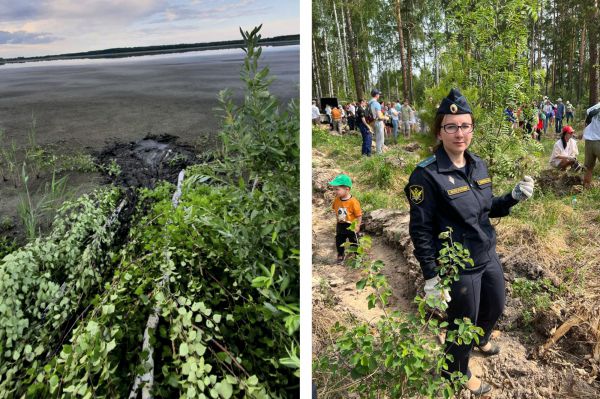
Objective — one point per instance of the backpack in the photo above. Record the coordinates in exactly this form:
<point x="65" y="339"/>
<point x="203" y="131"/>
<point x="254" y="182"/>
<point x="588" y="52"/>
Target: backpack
<point x="369" y="114"/>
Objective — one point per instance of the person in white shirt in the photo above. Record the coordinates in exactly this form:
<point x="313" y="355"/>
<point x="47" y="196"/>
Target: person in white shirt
<point x="413" y="121"/>
<point x="548" y="109"/>
<point x="328" y="113"/>
<point x="565" y="151"/>
<point x="316" y="114"/>
<point x="351" y="116"/>
<point x="591" y="136"/>
<point x="393" y="112"/>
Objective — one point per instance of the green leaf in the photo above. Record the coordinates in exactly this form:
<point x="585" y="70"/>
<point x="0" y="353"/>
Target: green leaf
<point x="53" y="383"/>
<point x="111" y="345"/>
<point x="224" y="389"/>
<point x="183" y="349"/>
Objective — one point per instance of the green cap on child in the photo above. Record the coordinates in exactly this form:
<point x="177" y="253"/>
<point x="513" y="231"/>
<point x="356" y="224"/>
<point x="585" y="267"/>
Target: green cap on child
<point x="341" y="180"/>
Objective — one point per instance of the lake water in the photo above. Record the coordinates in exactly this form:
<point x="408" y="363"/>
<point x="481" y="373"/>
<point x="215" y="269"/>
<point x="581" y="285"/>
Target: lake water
<point x="87" y="102"/>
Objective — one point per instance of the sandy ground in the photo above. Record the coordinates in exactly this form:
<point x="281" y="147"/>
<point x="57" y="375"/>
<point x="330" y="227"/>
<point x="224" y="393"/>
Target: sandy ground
<point x="87" y="102"/>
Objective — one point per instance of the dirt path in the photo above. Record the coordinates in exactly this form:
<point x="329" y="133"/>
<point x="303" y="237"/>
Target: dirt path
<point x="516" y="373"/>
<point x="342" y="279"/>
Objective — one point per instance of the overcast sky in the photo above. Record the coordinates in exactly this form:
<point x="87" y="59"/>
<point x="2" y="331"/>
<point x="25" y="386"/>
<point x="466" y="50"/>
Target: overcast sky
<point x="41" y="27"/>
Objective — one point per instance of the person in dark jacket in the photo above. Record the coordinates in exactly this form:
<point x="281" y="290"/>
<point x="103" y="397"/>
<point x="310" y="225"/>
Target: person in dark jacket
<point x="560" y="114"/>
<point x="453" y="189"/>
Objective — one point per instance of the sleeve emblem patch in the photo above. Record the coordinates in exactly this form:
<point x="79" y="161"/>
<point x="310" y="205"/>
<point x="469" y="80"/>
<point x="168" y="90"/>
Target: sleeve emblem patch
<point x="416" y="194"/>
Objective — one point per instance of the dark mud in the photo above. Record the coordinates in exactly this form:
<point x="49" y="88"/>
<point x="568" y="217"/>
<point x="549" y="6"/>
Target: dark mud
<point x="560" y="183"/>
<point x="146" y="162"/>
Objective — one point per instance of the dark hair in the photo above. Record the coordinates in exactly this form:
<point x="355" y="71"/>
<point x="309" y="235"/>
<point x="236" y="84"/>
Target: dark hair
<point x="437" y="126"/>
<point x="562" y="138"/>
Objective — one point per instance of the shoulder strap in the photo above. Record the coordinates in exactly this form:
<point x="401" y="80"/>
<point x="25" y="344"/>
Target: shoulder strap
<point x="426" y="162"/>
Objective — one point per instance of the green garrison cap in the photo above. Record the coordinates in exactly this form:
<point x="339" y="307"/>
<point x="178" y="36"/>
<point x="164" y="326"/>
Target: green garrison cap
<point x="341" y="180"/>
<point x="455" y="103"/>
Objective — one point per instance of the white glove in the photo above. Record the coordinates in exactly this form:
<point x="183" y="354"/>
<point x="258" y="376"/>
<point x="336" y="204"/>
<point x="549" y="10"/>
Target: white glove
<point x="433" y="289"/>
<point x="524" y="189"/>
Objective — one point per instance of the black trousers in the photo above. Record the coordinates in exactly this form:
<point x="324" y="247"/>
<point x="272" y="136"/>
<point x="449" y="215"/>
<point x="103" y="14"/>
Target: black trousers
<point x="479" y="296"/>
<point x="341" y="235"/>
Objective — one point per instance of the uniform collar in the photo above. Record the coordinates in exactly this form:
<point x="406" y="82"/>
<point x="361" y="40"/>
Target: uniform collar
<point x="444" y="163"/>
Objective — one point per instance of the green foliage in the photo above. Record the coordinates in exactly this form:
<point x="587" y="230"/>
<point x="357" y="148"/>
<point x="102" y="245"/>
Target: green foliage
<point x="44" y="286"/>
<point x="376" y="171"/>
<point x="507" y="153"/>
<point x="7" y="245"/>
<point x="112" y="169"/>
<point x="219" y="273"/>
<point x="400" y="355"/>
<point x="33" y="209"/>
<point x="536" y="295"/>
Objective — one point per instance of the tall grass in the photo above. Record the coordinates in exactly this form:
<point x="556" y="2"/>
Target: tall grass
<point x="31" y="210"/>
<point x="8" y="161"/>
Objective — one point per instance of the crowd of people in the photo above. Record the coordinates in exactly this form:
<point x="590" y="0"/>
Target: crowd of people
<point x="535" y="118"/>
<point x="384" y="120"/>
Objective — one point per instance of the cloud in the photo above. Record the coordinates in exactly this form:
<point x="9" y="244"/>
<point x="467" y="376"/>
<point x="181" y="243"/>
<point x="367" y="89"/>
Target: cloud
<point x="82" y="25"/>
<point x="22" y="37"/>
<point x="225" y="10"/>
<point x="11" y="10"/>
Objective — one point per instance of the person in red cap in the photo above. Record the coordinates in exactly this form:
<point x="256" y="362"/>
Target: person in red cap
<point x="564" y="154"/>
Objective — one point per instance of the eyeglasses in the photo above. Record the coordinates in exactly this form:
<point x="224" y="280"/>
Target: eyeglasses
<point x="452" y="128"/>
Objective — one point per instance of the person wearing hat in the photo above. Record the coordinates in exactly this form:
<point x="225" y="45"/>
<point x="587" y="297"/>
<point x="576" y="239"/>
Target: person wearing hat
<point x="565" y="151"/>
<point x="560" y="114"/>
<point x="347" y="210"/>
<point x="548" y="110"/>
<point x="453" y="188"/>
<point x="569" y="109"/>
<point x="378" y="120"/>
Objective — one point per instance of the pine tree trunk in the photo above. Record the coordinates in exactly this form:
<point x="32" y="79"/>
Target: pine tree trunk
<point x="532" y="54"/>
<point x="317" y="78"/>
<point x="345" y="42"/>
<point x="402" y="51"/>
<point x="582" y="48"/>
<point x="358" y="84"/>
<point x="329" y="78"/>
<point x="594" y="60"/>
<point x="571" y="63"/>
<point x="341" y="51"/>
<point x="593" y="70"/>
<point x="330" y="91"/>
<point x="409" y="63"/>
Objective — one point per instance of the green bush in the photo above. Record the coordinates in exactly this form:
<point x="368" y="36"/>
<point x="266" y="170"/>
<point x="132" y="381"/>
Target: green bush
<point x="376" y="171"/>
<point x="218" y="273"/>
<point x="536" y="295"/>
<point x="400" y="355"/>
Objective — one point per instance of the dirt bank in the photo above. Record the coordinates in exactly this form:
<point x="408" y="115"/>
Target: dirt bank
<point x="567" y="369"/>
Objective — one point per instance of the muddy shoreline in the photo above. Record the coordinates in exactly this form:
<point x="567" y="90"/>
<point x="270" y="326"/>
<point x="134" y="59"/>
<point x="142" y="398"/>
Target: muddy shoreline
<point x="107" y="108"/>
<point x="89" y="103"/>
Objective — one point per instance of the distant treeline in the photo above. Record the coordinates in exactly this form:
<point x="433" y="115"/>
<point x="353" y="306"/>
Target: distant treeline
<point x="115" y="52"/>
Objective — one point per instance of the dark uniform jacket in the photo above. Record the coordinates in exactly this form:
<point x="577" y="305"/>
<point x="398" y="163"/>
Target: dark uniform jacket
<point x="442" y="196"/>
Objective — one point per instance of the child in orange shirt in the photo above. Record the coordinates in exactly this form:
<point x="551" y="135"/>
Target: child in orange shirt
<point x="347" y="209"/>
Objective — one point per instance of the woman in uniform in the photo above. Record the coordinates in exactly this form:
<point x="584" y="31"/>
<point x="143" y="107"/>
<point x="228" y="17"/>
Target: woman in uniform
<point x="453" y="189"/>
